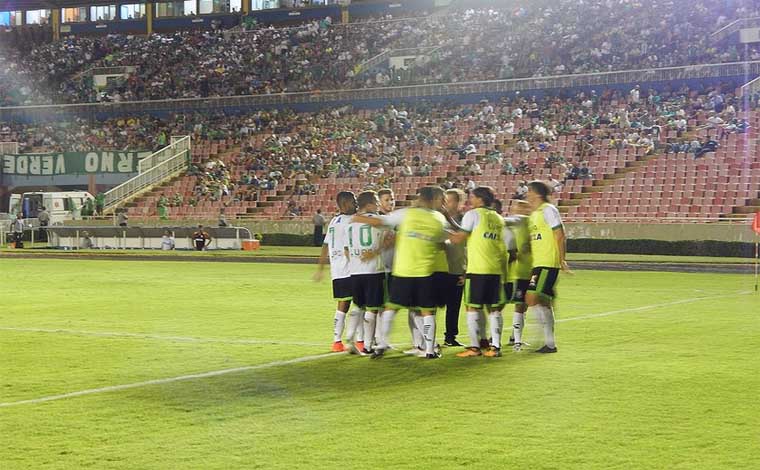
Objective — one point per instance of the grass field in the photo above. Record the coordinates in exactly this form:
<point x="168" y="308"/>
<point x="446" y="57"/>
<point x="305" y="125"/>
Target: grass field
<point x="654" y="371"/>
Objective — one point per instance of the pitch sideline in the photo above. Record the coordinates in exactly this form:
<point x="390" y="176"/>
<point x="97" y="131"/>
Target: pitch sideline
<point x="203" y="375"/>
<point x="189" y="339"/>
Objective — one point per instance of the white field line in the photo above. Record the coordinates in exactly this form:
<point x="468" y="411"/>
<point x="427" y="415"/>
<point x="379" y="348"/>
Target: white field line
<point x="189" y="339"/>
<point x="649" y="307"/>
<point x="203" y="375"/>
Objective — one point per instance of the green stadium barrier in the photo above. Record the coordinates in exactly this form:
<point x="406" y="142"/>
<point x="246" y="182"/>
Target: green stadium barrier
<point x="594" y="245"/>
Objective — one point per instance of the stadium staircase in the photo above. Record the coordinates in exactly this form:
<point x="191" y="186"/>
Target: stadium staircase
<point x="721" y="185"/>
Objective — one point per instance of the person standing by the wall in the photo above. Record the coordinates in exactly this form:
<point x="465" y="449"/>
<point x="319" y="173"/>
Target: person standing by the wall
<point x="44" y="217"/>
<point x="201" y="239"/>
<point x="319" y="225"/>
<point x="17" y="228"/>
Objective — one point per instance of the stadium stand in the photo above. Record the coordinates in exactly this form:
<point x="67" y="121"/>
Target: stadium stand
<point x="563" y="37"/>
<point x="670" y="152"/>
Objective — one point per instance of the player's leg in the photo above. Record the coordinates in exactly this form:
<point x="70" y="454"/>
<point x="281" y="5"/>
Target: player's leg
<point x="374" y="294"/>
<point x="428" y="297"/>
<point x="343" y="295"/>
<point x="454" y="289"/>
<point x="518" y="316"/>
<point x="474" y="313"/>
<point x="539" y="299"/>
<point x="496" y="301"/>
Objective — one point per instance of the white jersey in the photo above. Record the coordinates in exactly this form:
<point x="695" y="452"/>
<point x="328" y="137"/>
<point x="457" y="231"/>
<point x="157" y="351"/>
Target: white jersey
<point x="362" y="238"/>
<point x="336" y="241"/>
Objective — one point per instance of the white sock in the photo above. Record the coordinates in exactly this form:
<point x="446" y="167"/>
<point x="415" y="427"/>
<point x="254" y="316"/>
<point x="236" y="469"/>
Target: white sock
<point x="549" y="327"/>
<point x="497" y="325"/>
<point x="428" y="331"/>
<point x="473" y="328"/>
<point x="419" y="340"/>
<point x="370" y="319"/>
<point x="379" y="331"/>
<point x="386" y="324"/>
<point x="359" y="329"/>
<point x="354" y="320"/>
<point x="518" y="324"/>
<point x="338" y="322"/>
<point x="482" y="325"/>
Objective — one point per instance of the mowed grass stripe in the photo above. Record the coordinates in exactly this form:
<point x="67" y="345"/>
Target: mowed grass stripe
<point x="216" y="373"/>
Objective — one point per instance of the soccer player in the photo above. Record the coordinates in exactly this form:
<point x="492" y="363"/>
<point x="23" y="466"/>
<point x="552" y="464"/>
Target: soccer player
<point x="483" y="229"/>
<point x="335" y="247"/>
<point x="365" y="246"/>
<point x="453" y="285"/>
<point x="520" y="266"/>
<point x="420" y="233"/>
<point x="547" y="245"/>
<point x="387" y="205"/>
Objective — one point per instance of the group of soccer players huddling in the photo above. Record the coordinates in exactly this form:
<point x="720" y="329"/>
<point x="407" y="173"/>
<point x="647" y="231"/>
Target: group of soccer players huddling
<point x="432" y="256"/>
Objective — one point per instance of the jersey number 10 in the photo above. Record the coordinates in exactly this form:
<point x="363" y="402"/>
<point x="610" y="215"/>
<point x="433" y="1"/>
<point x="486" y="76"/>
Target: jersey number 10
<point x="365" y="236"/>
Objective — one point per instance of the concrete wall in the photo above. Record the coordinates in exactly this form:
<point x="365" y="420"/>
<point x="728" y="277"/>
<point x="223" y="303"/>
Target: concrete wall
<point x="621" y="231"/>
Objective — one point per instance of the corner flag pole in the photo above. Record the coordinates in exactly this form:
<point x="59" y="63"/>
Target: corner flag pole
<point x="756" y="228"/>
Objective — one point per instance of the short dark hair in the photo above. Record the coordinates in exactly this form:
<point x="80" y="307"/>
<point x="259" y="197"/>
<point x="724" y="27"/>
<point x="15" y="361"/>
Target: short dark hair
<point x="366" y="198"/>
<point x="428" y="193"/>
<point x="456" y="192"/>
<point x="497" y="205"/>
<point x="484" y="193"/>
<point x="540" y="188"/>
<point x="384" y="191"/>
<point x="344" y="197"/>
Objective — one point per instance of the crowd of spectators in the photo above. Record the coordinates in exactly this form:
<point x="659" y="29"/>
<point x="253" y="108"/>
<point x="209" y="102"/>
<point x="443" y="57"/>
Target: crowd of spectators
<point x="535" y="39"/>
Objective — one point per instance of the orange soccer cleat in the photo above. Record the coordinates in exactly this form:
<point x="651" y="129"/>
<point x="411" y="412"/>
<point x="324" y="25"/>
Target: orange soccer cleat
<point x="470" y="352"/>
<point x="337" y="347"/>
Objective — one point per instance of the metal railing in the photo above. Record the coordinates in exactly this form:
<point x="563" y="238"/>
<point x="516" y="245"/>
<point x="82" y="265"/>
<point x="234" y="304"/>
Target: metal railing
<point x="374" y="61"/>
<point x="733" y="27"/>
<point x="749" y="69"/>
<point x="750" y="87"/>
<point x="154" y="169"/>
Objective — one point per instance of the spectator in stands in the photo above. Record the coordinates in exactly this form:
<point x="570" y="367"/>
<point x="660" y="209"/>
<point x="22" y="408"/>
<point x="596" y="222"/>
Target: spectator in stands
<point x="710" y="145"/>
<point x="122" y="218"/>
<point x="521" y="191"/>
<point x="222" y="218"/>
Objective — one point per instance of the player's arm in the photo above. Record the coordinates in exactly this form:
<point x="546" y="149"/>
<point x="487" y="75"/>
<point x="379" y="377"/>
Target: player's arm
<point x="561" y="240"/>
<point x="208" y="240"/>
<point x="322" y="262"/>
<point x="469" y="222"/>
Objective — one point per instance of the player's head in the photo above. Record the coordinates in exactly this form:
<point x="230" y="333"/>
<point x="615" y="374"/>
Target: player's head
<point x="455" y="199"/>
<point x="497" y="206"/>
<point x="482" y="196"/>
<point x="368" y="201"/>
<point x="538" y="193"/>
<point x="519" y="207"/>
<point x="430" y="197"/>
<point x="346" y="202"/>
<point x="387" y="200"/>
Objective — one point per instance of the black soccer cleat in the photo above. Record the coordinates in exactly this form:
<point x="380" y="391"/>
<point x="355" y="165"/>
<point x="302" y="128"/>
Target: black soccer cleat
<point x="546" y="350"/>
<point x="433" y="356"/>
<point x="450" y="343"/>
<point x="377" y="353"/>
